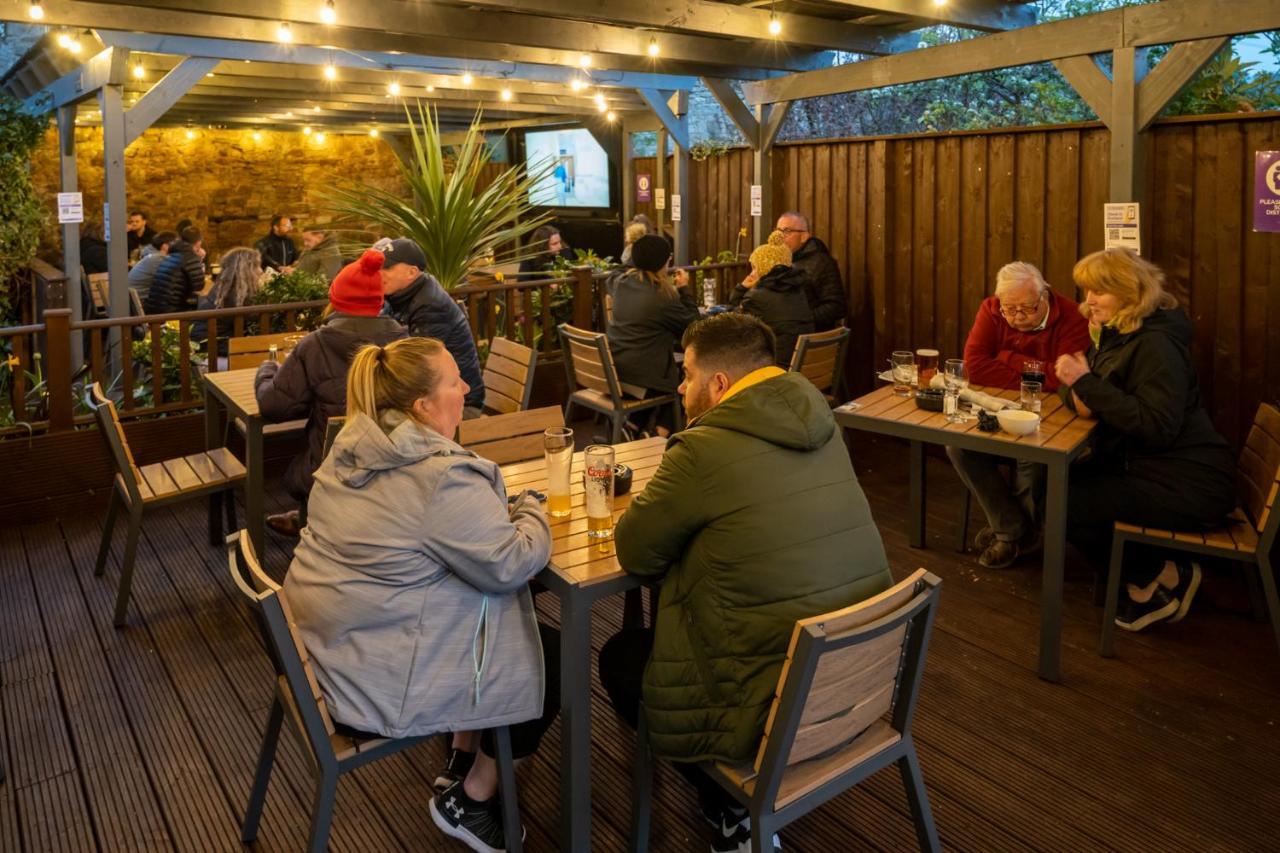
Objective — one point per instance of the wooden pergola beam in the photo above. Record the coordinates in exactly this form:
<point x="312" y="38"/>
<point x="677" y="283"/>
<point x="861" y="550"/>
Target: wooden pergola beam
<point x="163" y="95"/>
<point x="738" y="112"/>
<point x="677" y="126"/>
<point x="81" y="83"/>
<point x="988" y="15"/>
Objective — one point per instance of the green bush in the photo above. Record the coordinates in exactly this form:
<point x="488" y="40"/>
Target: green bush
<point x="21" y="214"/>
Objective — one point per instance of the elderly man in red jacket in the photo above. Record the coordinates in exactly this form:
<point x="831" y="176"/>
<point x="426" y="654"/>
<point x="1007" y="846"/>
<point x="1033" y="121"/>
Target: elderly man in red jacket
<point x="1024" y="321"/>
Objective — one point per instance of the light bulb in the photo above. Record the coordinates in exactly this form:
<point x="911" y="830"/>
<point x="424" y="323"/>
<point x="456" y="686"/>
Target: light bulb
<point x="506" y="94"/>
<point x="601" y="105"/>
<point x="328" y="13"/>
<point x="939" y="2"/>
<point x="599" y="99"/>
<point x="431" y="88"/>
<point x="775" y="26"/>
<point x="64" y="40"/>
<point x="653" y="46"/>
<point x="139" y="72"/>
<point x="257" y="137"/>
<point x="393" y="89"/>
<point x="73" y="44"/>
<point x="316" y="108"/>
<point x="35" y="11"/>
<point x="584" y="60"/>
<point x="330" y="71"/>
<point x="307" y="130"/>
<point x="611" y="115"/>
<point x="373" y="131"/>
<point x="210" y="74"/>
<point x="466" y="78"/>
<point x="191" y="134"/>
<point x="288" y="115"/>
<point x="577" y="85"/>
<point x="320" y="138"/>
<point x="284" y="35"/>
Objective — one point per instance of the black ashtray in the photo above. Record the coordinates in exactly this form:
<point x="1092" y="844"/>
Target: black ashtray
<point x="621" y="479"/>
<point x="930" y="399"/>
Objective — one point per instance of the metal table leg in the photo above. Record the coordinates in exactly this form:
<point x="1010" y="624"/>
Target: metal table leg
<point x="917" y="495"/>
<point x="212" y="410"/>
<point x="1055" y="546"/>
<point x="575" y="722"/>
<point x="253" y="497"/>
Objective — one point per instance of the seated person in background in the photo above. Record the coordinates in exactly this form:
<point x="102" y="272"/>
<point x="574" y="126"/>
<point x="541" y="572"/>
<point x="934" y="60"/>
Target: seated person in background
<point x="320" y="255"/>
<point x="93" y="249"/>
<point x="410" y="554"/>
<point x="641" y="219"/>
<point x="423" y="307"/>
<point x="753" y="520"/>
<point x="824" y="285"/>
<point x="277" y="248"/>
<point x="1157" y="461"/>
<point x="144" y="271"/>
<point x="775" y="292"/>
<point x="548" y="241"/>
<point x="630" y="235"/>
<point x="179" y="277"/>
<point x="650" y="313"/>
<point x="237" y="283"/>
<point x="1025" y="320"/>
<point x="140" y="233"/>
<point x="312" y="381"/>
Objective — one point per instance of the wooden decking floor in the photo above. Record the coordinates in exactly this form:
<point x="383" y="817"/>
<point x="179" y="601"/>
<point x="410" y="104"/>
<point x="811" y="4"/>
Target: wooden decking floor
<point x="145" y="739"/>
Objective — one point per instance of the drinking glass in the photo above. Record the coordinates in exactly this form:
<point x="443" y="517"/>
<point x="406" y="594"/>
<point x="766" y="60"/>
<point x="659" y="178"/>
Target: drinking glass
<point x="1031" y="397"/>
<point x="709" y="292"/>
<point x="955" y="377"/>
<point x="904" y="372"/>
<point x="926" y="366"/>
<point x="557" y="444"/>
<point x="1033" y="371"/>
<point x="597" y="486"/>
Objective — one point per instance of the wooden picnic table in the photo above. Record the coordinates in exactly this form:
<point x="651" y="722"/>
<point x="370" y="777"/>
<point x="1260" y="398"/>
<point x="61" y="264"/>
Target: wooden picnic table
<point x="580" y="573"/>
<point x="231" y="391"/>
<point x="1061" y="439"/>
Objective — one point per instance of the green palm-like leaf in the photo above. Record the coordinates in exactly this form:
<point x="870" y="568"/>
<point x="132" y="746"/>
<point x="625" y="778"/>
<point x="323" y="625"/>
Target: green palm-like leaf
<point x="456" y="224"/>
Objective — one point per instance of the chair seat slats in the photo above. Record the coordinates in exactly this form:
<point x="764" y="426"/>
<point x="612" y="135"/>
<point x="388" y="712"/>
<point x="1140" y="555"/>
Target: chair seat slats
<point x="596" y="400"/>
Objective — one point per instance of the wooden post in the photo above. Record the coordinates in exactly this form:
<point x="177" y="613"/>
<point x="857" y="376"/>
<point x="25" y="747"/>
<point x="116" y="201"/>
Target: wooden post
<point x="628" y="171"/>
<point x="680" y="187"/>
<point x="71" y="231"/>
<point x="57" y="365"/>
<point x="583" y="297"/>
<point x="1126" y="146"/>
<point x="769" y="118"/>
<point x="110" y="101"/>
<point x="660" y="181"/>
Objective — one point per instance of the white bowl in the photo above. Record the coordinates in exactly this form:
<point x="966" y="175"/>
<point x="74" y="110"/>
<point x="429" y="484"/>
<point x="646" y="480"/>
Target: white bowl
<point x="1017" y="421"/>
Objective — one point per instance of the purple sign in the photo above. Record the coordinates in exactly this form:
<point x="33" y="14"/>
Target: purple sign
<point x="644" y="188"/>
<point x="1266" y="192"/>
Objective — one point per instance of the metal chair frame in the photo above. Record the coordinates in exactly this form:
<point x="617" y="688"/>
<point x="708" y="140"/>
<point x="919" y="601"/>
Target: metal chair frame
<point x="615" y="406"/>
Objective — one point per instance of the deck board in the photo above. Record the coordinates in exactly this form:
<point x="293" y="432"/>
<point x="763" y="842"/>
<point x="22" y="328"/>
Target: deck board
<point x="146" y="738"/>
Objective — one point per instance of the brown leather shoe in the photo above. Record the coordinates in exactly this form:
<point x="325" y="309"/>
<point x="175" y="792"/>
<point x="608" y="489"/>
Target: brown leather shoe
<point x="1001" y="555"/>
<point x="286" y="523"/>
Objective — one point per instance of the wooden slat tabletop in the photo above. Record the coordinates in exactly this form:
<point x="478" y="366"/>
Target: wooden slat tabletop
<point x="1060" y="428"/>
<point x="235" y="389"/>
<point x="573" y="556"/>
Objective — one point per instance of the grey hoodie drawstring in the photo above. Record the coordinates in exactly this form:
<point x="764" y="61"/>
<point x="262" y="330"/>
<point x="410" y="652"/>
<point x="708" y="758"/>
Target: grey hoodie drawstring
<point x="478" y="657"/>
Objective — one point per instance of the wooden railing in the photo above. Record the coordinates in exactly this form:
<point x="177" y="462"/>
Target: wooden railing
<point x="727" y="275"/>
<point x="529" y="311"/>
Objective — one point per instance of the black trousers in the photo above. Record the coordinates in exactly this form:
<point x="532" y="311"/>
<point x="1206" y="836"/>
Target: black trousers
<point x="526" y="736"/>
<point x="1169" y="494"/>
<point x="621" y="667"/>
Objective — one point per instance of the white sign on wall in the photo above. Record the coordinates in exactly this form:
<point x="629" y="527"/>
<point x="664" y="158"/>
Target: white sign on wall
<point x="757" y="199"/>
<point x="70" y="208"/>
<point x="1121" y="226"/>
<point x="659" y="198"/>
<point x="675" y="208"/>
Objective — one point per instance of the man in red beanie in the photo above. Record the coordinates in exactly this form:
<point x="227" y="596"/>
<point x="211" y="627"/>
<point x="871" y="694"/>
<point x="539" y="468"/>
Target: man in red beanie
<point x="312" y="381"/>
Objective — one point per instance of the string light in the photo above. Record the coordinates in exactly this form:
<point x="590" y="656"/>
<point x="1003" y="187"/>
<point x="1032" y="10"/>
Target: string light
<point x="599" y="99"/>
<point x="191" y="134"/>
<point x="138" y="71"/>
<point x="431" y="88"/>
<point x="328" y="13"/>
<point x="320" y="137"/>
<point x="466" y="78"/>
<point x="611" y="116"/>
<point x="330" y="71"/>
<point x="584" y="61"/>
<point x="577" y="84"/>
<point x="373" y="131"/>
<point x="257" y="137"/>
<point x="306" y="130"/>
<point x="64" y="39"/>
<point x="775" y="26"/>
<point x="939" y="2"/>
<point x="653" y="45"/>
<point x="316" y="108"/>
<point x="393" y="89"/>
<point x="284" y="35"/>
<point x="35" y="11"/>
<point x="505" y="94"/>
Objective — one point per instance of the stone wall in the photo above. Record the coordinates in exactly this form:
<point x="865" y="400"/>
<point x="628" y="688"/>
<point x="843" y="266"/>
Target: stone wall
<point x="227" y="182"/>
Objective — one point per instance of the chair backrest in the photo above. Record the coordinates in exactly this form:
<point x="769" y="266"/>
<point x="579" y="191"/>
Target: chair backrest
<point x="844" y="671"/>
<point x="589" y="363"/>
<point x="516" y="437"/>
<point x="508" y="376"/>
<point x="820" y="357"/>
<point x="136" y="302"/>
<point x="113" y="434"/>
<point x="252" y="350"/>
<point x="1259" y="469"/>
<point x="295" y="679"/>
<point x="99" y="290"/>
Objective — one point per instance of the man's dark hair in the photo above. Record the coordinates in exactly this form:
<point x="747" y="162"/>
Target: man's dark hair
<point x="275" y="220"/>
<point x="191" y="235"/>
<point x="183" y="225"/>
<point x="139" y="213"/>
<point x="163" y="237"/>
<point x="731" y="342"/>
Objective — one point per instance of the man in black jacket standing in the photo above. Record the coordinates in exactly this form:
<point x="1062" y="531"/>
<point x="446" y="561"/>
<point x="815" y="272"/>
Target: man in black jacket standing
<point x="277" y="249"/>
<point x="824" y="286"/>
<point x="179" y="277"/>
<point x="421" y="305"/>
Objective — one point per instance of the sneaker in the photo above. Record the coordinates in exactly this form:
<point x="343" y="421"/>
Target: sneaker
<point x="455" y="769"/>
<point x="1136" y="616"/>
<point x="286" y="523"/>
<point x="1188" y="583"/>
<point x="477" y="825"/>
<point x="732" y="834"/>
<point x="1001" y="554"/>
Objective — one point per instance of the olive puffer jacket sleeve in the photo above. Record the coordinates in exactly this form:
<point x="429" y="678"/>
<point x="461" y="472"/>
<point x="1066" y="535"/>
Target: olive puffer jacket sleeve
<point x="656" y="528"/>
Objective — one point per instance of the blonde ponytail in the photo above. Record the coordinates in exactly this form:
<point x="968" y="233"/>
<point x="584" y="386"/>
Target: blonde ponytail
<point x="392" y="377"/>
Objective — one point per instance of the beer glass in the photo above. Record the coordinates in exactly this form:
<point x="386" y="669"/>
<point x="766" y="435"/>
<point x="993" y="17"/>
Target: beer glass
<point x="926" y="366"/>
<point x="557" y="443"/>
<point x="955" y="377"/>
<point x="597" y="487"/>
<point x="1033" y="371"/>
<point x="904" y="372"/>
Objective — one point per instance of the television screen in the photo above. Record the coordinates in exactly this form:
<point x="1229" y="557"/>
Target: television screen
<point x="581" y="174"/>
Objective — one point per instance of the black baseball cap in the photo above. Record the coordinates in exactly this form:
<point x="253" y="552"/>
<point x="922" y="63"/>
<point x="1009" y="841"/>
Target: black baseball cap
<point x="404" y="251"/>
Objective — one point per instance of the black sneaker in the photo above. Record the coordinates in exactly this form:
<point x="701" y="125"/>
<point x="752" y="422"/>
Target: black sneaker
<point x="1188" y="582"/>
<point x="1136" y="616"/>
<point x="455" y="769"/>
<point x="732" y="834"/>
<point x="477" y="825"/>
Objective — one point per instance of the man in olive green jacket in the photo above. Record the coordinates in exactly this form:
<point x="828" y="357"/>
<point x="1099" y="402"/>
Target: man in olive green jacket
<point x="753" y="520"/>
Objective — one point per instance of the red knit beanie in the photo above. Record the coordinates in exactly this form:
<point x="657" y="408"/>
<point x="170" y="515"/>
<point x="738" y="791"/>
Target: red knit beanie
<point x="358" y="288"/>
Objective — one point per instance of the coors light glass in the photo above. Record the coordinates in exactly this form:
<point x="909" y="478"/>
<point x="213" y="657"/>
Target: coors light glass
<point x="597" y="484"/>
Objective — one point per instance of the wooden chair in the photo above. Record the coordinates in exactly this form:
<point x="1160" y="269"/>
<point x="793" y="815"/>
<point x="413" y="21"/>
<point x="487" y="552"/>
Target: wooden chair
<point x="99" y="287"/>
<point x="298" y="698"/>
<point x="252" y="350"/>
<point x="594" y="385"/>
<point x="843" y="711"/>
<point x="820" y="357"/>
<point x="1248" y="539"/>
<point x="331" y="429"/>
<point x="508" y="376"/>
<point x="516" y="437"/>
<point x="137" y="489"/>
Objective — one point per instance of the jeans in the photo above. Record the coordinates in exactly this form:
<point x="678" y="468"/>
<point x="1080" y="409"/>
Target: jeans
<point x="1012" y="513"/>
<point x="622" y="663"/>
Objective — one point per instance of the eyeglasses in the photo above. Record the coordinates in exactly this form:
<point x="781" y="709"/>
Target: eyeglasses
<point x="793" y="230"/>
<point x="1022" y="310"/>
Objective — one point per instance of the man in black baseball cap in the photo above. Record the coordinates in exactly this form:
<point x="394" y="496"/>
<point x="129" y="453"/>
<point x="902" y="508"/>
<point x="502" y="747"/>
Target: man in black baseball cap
<point x="423" y="307"/>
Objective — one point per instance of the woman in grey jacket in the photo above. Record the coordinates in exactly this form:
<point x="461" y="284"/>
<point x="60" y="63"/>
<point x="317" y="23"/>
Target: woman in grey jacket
<point x="410" y="582"/>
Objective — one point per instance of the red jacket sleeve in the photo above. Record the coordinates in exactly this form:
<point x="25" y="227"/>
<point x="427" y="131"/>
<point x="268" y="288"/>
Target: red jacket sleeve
<point x="982" y="353"/>
<point x="1072" y="336"/>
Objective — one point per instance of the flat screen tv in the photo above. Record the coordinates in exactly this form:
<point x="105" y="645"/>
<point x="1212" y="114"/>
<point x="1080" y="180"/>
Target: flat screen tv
<point x="581" y="174"/>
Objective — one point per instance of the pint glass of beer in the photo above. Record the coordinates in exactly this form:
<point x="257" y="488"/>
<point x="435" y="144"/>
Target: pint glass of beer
<point x="597" y="483"/>
<point x="557" y="443"/>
